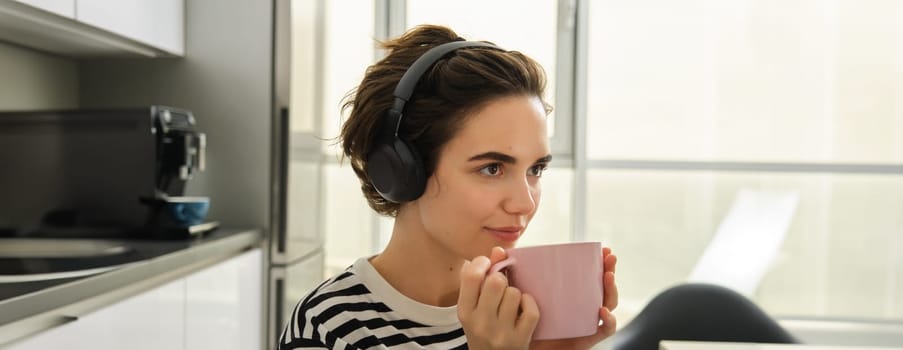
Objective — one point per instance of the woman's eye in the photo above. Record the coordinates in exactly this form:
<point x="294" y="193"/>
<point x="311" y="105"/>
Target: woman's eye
<point x="491" y="170"/>
<point x="537" y="169"/>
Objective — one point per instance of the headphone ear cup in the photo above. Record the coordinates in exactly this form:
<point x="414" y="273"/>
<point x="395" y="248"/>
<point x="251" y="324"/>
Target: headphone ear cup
<point x="414" y="175"/>
<point x="396" y="171"/>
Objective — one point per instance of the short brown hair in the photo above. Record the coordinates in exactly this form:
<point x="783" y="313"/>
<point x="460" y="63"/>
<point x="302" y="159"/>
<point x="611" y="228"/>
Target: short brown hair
<point x="454" y="88"/>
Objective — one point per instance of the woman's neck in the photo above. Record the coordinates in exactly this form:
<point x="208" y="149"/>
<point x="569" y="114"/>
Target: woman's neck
<point x="418" y="266"/>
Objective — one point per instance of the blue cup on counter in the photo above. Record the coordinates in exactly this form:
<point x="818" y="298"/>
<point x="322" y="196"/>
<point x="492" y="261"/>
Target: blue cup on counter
<point x="186" y="211"/>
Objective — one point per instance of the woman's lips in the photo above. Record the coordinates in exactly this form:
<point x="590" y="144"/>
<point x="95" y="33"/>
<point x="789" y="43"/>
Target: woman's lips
<point x="505" y="234"/>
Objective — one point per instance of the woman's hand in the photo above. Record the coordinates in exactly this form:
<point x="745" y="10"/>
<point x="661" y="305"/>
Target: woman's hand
<point x="494" y="315"/>
<point x="609" y="303"/>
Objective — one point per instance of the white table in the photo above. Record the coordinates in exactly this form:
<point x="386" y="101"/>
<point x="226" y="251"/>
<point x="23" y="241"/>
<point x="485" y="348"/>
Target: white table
<point x="703" y="345"/>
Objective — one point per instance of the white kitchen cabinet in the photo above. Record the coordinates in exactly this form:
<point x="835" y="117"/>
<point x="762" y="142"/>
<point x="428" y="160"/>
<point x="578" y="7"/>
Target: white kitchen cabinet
<point x="151" y="320"/>
<point x="218" y="307"/>
<point x="65" y="8"/>
<point x="224" y="305"/>
<point x="158" y="23"/>
<point x="90" y="28"/>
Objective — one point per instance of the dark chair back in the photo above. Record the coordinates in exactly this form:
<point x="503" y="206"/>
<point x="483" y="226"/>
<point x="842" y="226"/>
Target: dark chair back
<point x="701" y="312"/>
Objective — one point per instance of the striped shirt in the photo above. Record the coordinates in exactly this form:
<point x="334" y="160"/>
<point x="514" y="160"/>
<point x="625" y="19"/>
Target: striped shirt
<point x="358" y="309"/>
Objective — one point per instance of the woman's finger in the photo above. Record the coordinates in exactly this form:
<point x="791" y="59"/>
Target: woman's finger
<point x="497" y="254"/>
<point x="609" y="322"/>
<point x="508" y="307"/>
<point x="491" y="294"/>
<point x="529" y="316"/>
<point x="609" y="262"/>
<point x="472" y="274"/>
<point x="610" y="299"/>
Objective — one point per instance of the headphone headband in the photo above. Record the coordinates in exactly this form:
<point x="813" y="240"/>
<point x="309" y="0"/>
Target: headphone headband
<point x="405" y="88"/>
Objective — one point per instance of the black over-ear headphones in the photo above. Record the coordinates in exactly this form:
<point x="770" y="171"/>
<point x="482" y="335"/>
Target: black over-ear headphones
<point x="394" y="166"/>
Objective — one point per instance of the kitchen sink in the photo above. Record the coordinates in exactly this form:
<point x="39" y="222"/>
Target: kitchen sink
<point x="29" y="259"/>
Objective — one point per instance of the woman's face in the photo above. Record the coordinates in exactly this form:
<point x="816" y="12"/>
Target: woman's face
<point x="485" y="188"/>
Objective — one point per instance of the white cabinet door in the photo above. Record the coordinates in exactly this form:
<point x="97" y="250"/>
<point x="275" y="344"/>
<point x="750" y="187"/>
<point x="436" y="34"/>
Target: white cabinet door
<point x="65" y="8"/>
<point x="224" y="305"/>
<point x="152" y="320"/>
<point x="220" y="307"/>
<point x="159" y="23"/>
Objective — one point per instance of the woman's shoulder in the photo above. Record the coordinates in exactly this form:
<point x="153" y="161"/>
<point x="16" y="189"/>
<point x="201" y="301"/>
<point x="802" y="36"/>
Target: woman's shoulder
<point x="341" y="286"/>
<point x="336" y="300"/>
<point x="352" y="309"/>
<point x="346" y="291"/>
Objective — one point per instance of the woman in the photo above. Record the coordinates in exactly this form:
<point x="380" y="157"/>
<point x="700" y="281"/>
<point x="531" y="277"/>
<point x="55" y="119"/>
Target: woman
<point x="452" y="146"/>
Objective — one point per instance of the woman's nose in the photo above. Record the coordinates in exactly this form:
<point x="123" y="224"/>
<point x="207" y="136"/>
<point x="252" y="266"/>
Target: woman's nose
<point x="521" y="197"/>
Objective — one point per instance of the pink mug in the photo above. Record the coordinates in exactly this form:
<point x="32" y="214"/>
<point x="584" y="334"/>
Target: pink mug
<point x="566" y="282"/>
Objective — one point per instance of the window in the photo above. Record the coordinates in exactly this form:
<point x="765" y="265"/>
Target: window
<point x="695" y="104"/>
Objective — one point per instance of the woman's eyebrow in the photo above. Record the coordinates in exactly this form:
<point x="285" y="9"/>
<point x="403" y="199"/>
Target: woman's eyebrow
<point x="496" y="156"/>
<point x="504" y="158"/>
<point x="546" y="159"/>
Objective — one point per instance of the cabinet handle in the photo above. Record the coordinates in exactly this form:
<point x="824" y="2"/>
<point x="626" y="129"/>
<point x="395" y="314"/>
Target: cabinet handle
<point x="64" y="319"/>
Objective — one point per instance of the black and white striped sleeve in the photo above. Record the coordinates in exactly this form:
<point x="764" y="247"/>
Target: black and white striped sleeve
<point x="312" y="321"/>
<point x="359" y="310"/>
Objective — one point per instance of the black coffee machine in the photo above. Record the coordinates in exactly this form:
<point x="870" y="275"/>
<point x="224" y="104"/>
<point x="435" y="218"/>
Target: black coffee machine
<point x="109" y="173"/>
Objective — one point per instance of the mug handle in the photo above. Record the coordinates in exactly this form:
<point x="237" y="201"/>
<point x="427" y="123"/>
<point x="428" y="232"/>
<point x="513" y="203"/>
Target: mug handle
<point x="499" y="266"/>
